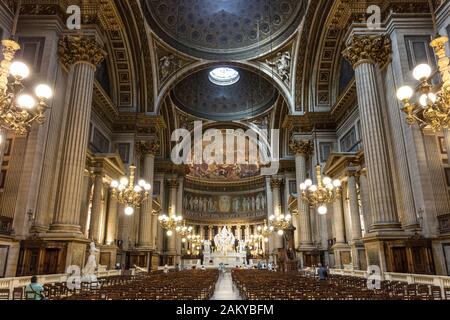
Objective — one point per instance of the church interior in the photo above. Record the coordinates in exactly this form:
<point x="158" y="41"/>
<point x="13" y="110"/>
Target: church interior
<point x="225" y="150"/>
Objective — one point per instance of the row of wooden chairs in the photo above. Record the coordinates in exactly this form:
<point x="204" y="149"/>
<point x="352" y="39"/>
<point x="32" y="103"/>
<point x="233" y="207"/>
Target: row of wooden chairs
<point x="265" y="285"/>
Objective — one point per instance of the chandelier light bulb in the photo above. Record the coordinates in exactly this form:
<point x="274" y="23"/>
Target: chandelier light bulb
<point x="19" y="70"/>
<point x="124" y="181"/>
<point x="405" y="93"/>
<point x="183" y="240"/>
<point x="308" y="182"/>
<point x="322" y="210"/>
<point x="114" y="184"/>
<point x="303" y="186"/>
<point x="280" y="232"/>
<point x="142" y="183"/>
<point x="327" y="180"/>
<point x="313" y="188"/>
<point x="422" y="72"/>
<point x="137" y="189"/>
<point x="272" y="217"/>
<point x="26" y="101"/>
<point x="147" y="187"/>
<point x="43" y="91"/>
<point x="288" y="217"/>
<point x="423" y="100"/>
<point x="337" y="183"/>
<point x="129" y="211"/>
<point x="169" y="233"/>
<point x="266" y="239"/>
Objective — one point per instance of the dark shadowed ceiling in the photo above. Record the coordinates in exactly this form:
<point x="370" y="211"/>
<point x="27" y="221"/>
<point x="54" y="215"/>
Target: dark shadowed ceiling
<point x="249" y="97"/>
<point x="218" y="29"/>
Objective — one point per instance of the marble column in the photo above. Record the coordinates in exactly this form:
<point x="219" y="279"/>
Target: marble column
<point x="96" y="211"/>
<point x="111" y="223"/>
<point x="364" y="53"/>
<point x="338" y="221"/>
<point x="3" y="137"/>
<point x="269" y="206"/>
<point x="365" y="202"/>
<point x="302" y="149"/>
<point x="173" y="188"/>
<point x="276" y="185"/>
<point x="81" y="55"/>
<point x="354" y="205"/>
<point x="147" y="149"/>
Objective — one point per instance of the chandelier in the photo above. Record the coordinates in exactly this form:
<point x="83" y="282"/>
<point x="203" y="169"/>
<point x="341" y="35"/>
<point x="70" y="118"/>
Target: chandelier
<point x="19" y="110"/>
<point x="129" y="194"/>
<point x="170" y="223"/>
<point x="183" y="231"/>
<point x="265" y="231"/>
<point x="433" y="105"/>
<point x="326" y="191"/>
<point x="279" y="222"/>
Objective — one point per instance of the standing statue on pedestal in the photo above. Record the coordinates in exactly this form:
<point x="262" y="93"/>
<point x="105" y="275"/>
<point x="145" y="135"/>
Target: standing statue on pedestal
<point x="91" y="265"/>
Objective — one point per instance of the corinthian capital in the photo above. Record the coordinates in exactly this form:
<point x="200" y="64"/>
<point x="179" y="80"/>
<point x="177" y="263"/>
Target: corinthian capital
<point x="376" y="49"/>
<point x="73" y="49"/>
<point x="301" y="147"/>
<point x="147" y="147"/>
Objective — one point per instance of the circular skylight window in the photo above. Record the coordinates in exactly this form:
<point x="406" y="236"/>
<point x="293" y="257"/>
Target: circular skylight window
<point x="224" y="76"/>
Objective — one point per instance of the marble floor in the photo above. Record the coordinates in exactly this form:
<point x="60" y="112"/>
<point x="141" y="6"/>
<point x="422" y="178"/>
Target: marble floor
<point x="225" y="289"/>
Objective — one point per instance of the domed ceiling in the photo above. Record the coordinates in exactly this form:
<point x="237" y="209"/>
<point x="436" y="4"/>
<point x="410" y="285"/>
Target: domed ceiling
<point x="218" y="29"/>
<point x="248" y="97"/>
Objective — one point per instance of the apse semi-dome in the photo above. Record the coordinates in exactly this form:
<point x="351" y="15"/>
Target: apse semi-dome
<point x="219" y="29"/>
<point x="249" y="96"/>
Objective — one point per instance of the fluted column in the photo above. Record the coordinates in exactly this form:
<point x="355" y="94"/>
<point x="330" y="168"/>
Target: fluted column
<point x="276" y="184"/>
<point x="302" y="149"/>
<point x="338" y="221"/>
<point x="96" y="211"/>
<point x="111" y="224"/>
<point x="147" y="149"/>
<point x="173" y="187"/>
<point x="354" y="206"/>
<point x="3" y="137"/>
<point x="364" y="53"/>
<point x="81" y="55"/>
<point x="269" y="206"/>
<point x="365" y="202"/>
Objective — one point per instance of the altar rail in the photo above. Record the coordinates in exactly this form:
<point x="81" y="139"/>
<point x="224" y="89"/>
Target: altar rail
<point x="17" y="282"/>
<point x="440" y="281"/>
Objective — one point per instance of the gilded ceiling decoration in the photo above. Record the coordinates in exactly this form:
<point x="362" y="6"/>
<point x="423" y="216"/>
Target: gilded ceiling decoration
<point x="224" y="28"/>
<point x="249" y="97"/>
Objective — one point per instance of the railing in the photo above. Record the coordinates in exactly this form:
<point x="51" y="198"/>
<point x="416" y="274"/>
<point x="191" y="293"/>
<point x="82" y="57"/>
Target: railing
<point x="17" y="282"/>
<point x="440" y="281"/>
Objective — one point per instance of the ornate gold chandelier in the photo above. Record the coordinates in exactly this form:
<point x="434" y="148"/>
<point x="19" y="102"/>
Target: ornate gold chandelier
<point x="129" y="194"/>
<point x="265" y="231"/>
<point x="326" y="191"/>
<point x="184" y="231"/>
<point x="19" y="110"/>
<point x="170" y="223"/>
<point x="279" y="223"/>
<point x="433" y="105"/>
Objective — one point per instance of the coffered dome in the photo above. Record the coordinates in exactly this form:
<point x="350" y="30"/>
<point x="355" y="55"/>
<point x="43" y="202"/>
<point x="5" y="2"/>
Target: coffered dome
<point x="246" y="96"/>
<point x="224" y="28"/>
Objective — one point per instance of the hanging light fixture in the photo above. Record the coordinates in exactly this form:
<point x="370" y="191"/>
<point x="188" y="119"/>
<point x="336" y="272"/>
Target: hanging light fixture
<point x="19" y="109"/>
<point x="129" y="194"/>
<point x="432" y="107"/>
<point x="265" y="231"/>
<point x="184" y="231"/>
<point x="170" y="223"/>
<point x="279" y="223"/>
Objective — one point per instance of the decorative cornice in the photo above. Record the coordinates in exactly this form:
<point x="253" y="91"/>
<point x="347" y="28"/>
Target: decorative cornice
<point x="376" y="49"/>
<point x="276" y="183"/>
<point x="173" y="183"/>
<point x="74" y="49"/>
<point x="301" y="147"/>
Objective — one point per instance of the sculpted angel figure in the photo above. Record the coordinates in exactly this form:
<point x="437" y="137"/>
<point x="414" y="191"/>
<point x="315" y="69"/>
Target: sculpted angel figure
<point x="282" y="64"/>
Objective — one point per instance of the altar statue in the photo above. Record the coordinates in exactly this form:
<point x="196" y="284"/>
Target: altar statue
<point x="89" y="269"/>
<point x="224" y="241"/>
<point x="207" y="246"/>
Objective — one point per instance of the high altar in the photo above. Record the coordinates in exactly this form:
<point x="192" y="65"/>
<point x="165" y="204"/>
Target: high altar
<point x="225" y="252"/>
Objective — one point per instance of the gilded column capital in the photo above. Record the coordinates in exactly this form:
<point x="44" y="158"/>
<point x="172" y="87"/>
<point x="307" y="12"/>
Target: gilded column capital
<point x="303" y="147"/>
<point x="173" y="183"/>
<point x="375" y="49"/>
<point x="73" y="49"/>
<point x="276" y="183"/>
<point x="147" y="147"/>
